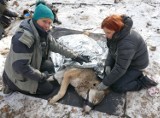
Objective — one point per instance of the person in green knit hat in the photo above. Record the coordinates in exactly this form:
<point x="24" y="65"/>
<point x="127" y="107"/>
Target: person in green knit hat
<point x="53" y="9"/>
<point x="28" y="64"/>
<point x="42" y="11"/>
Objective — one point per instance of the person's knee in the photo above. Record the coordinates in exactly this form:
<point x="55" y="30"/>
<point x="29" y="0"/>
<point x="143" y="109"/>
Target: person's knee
<point x="48" y="66"/>
<point x="48" y="63"/>
<point x="50" y="89"/>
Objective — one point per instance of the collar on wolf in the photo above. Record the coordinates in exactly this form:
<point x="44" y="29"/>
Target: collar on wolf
<point x="87" y="102"/>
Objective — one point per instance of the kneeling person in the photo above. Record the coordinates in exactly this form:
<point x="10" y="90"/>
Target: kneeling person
<point x="28" y="65"/>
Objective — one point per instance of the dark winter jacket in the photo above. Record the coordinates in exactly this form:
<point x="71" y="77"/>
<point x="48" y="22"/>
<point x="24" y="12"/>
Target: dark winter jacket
<point x="26" y="52"/>
<point x="127" y="49"/>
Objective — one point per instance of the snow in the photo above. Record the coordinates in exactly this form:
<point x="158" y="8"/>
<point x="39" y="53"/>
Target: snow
<point x="145" y="15"/>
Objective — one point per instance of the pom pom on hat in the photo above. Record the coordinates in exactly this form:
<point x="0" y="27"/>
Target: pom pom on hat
<point x="42" y="11"/>
<point x="40" y="2"/>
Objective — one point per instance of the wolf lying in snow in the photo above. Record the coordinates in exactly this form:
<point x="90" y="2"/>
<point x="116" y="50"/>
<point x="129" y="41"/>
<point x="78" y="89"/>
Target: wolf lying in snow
<point x="84" y="81"/>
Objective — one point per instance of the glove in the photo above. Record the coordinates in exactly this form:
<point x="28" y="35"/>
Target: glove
<point x="107" y="70"/>
<point x="101" y="86"/>
<point x="81" y="59"/>
<point x="44" y="76"/>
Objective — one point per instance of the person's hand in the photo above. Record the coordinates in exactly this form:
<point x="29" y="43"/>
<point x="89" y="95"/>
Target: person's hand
<point x="44" y="76"/>
<point x="107" y="70"/>
<point x="101" y="86"/>
<point x="81" y="59"/>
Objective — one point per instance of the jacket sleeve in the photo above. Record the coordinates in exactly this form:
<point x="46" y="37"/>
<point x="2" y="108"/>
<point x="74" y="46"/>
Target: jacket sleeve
<point x="125" y="55"/>
<point x="9" y="13"/>
<point x="109" y="61"/>
<point x="22" y="66"/>
<point x="56" y="47"/>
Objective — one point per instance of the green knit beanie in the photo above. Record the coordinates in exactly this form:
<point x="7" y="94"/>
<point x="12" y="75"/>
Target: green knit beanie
<point x="42" y="11"/>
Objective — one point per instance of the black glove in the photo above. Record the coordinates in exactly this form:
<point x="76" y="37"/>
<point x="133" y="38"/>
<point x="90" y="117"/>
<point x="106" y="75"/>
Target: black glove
<point x="44" y="76"/>
<point x="81" y="59"/>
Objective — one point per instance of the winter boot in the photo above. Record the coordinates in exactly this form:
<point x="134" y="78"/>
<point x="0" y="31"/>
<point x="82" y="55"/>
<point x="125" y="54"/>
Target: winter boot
<point x="147" y="82"/>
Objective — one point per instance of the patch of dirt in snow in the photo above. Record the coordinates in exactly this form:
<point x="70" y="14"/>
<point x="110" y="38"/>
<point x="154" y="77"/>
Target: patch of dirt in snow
<point x="141" y="105"/>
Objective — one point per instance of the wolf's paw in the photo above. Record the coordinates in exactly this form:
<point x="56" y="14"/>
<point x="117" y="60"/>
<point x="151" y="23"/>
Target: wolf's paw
<point x="52" y="101"/>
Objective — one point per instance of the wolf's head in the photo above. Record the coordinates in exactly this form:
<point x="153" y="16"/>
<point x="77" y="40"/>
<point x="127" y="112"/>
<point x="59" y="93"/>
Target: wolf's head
<point x="93" y="98"/>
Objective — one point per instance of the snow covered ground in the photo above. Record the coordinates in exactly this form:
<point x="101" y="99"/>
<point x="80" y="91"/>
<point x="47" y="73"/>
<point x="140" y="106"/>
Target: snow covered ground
<point x="88" y="17"/>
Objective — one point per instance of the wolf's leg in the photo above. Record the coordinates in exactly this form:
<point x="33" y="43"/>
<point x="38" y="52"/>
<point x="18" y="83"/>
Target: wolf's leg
<point x="63" y="89"/>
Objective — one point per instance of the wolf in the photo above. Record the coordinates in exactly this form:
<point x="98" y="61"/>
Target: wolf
<point x="84" y="81"/>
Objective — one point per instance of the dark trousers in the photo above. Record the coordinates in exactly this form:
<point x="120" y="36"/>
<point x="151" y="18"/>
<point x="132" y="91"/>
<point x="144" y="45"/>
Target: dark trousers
<point x="128" y="82"/>
<point x="44" y="87"/>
